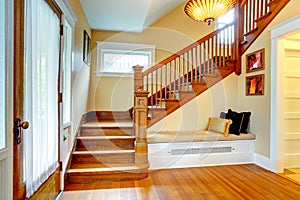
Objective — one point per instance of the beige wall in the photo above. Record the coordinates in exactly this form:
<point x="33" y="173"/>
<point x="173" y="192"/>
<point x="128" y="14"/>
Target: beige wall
<point x="170" y="34"/>
<point x="260" y="105"/>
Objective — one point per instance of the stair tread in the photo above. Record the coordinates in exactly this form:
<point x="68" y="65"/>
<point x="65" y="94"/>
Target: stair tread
<point x="105" y="137"/>
<point x="106" y="168"/>
<point x="107" y="124"/>
<point x="102" y="152"/>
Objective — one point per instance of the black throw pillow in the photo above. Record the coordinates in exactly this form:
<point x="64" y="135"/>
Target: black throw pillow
<point x="245" y="122"/>
<point x="237" y="119"/>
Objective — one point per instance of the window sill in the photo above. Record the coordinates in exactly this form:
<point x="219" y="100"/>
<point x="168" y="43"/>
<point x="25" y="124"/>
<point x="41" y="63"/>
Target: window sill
<point x="114" y="74"/>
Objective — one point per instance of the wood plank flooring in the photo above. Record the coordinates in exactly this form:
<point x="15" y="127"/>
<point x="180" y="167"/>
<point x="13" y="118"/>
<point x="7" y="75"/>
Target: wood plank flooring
<point x="219" y="182"/>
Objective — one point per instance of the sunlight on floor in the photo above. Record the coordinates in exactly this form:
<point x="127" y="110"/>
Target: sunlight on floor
<point x="292" y="174"/>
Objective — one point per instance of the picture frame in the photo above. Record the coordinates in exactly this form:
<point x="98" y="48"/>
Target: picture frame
<point x="255" y="85"/>
<point x="86" y="48"/>
<point x="255" y="61"/>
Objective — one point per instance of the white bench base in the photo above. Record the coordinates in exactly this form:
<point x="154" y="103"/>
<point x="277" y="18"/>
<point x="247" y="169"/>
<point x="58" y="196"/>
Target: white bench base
<point x="196" y="154"/>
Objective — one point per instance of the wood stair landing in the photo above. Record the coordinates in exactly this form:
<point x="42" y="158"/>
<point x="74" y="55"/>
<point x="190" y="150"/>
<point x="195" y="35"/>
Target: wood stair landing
<point x="105" y="151"/>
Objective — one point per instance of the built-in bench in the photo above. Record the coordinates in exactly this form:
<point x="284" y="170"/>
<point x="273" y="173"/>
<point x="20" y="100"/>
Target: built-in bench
<point x="170" y="149"/>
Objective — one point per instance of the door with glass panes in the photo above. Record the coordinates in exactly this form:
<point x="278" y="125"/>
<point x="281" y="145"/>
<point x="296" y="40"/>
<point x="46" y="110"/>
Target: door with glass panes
<point x="38" y="43"/>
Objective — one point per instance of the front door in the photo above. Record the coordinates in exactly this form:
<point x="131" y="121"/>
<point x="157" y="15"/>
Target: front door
<point x="36" y="99"/>
<point x="6" y="88"/>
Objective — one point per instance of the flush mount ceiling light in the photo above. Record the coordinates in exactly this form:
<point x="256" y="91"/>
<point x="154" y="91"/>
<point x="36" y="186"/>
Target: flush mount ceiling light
<point x="207" y="10"/>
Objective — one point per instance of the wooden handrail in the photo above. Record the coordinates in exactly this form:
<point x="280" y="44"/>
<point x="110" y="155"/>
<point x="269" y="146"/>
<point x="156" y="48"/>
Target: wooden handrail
<point x="186" y="49"/>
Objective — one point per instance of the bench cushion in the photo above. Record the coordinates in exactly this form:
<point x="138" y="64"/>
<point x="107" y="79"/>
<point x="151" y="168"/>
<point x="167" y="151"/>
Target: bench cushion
<point x="194" y="136"/>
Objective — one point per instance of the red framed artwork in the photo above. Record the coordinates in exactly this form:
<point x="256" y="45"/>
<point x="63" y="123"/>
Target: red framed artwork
<point x="255" y="61"/>
<point x="255" y="85"/>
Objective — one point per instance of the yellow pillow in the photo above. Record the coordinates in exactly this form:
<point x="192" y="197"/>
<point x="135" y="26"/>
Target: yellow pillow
<point x="219" y="125"/>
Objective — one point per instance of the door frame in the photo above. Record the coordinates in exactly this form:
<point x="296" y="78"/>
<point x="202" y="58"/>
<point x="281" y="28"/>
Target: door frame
<point x="277" y="91"/>
<point x="18" y="185"/>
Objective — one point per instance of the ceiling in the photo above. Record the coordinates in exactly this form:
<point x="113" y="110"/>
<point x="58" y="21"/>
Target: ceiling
<point x="126" y="15"/>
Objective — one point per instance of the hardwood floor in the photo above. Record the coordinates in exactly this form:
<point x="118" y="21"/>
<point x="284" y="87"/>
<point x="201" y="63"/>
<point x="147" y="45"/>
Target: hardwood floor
<point x="219" y="182"/>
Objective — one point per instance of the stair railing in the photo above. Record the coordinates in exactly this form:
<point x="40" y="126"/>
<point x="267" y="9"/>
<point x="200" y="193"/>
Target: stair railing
<point x="189" y="65"/>
<point x="254" y="17"/>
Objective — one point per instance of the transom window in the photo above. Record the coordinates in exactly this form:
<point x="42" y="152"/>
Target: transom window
<point x="117" y="59"/>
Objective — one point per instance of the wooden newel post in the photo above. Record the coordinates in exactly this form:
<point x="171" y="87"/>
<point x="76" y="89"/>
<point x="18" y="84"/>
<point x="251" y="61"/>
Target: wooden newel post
<point x="140" y="126"/>
<point x="138" y="77"/>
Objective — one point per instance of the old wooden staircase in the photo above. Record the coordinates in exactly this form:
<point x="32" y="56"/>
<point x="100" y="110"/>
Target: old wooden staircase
<point x="112" y="146"/>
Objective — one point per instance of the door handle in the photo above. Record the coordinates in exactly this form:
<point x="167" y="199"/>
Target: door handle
<point x="18" y="124"/>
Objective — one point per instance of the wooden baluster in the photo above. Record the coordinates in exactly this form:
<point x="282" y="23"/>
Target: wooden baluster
<point x="140" y="126"/>
<point x="160" y="91"/>
<point x="205" y="54"/>
<point x="261" y="7"/>
<point x="245" y="18"/>
<point x="257" y="8"/>
<point x="192" y="64"/>
<point x="228" y="44"/>
<point x="166" y="86"/>
<point x="209" y="55"/>
<point x="147" y="79"/>
<point x="187" y="67"/>
<point x="267" y="7"/>
<point x="151" y="94"/>
<point x="216" y="50"/>
<point x="156" y="90"/>
<point x="174" y="77"/>
<point x="179" y="70"/>
<point x="197" y="63"/>
<point x="170" y="77"/>
<point x="200" y="62"/>
<point x="224" y="48"/>
<point x="253" y="15"/>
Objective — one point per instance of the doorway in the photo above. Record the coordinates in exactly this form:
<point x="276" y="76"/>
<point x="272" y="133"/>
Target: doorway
<point x="37" y="101"/>
<point x="291" y="134"/>
<point x="279" y="151"/>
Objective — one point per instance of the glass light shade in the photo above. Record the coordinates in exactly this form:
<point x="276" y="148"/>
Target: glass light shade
<point x="207" y="10"/>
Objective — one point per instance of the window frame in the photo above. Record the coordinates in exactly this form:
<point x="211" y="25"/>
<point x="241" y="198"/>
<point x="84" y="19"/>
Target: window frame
<point x="121" y="47"/>
<point x="67" y="73"/>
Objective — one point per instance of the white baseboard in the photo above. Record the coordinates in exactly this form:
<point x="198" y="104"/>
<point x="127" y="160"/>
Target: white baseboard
<point x="263" y="162"/>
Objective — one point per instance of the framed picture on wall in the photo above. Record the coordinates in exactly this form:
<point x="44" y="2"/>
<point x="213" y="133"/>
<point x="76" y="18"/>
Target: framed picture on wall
<point x="86" y="48"/>
<point x="255" y="61"/>
<point x="255" y="85"/>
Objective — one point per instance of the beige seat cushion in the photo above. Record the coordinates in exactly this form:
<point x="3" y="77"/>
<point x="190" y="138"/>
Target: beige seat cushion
<point x="194" y="136"/>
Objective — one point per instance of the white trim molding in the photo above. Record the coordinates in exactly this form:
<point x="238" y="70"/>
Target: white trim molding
<point x="277" y="92"/>
<point x="67" y="11"/>
<point x="262" y="161"/>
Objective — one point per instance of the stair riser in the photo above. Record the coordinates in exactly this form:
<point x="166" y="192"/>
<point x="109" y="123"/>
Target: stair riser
<point x="96" y="116"/>
<point x="115" y="158"/>
<point x="112" y="176"/>
<point x="106" y="131"/>
<point x="115" y="144"/>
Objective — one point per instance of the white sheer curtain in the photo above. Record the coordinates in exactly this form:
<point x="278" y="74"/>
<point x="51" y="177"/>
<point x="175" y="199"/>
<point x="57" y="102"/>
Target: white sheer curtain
<point x="41" y="80"/>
